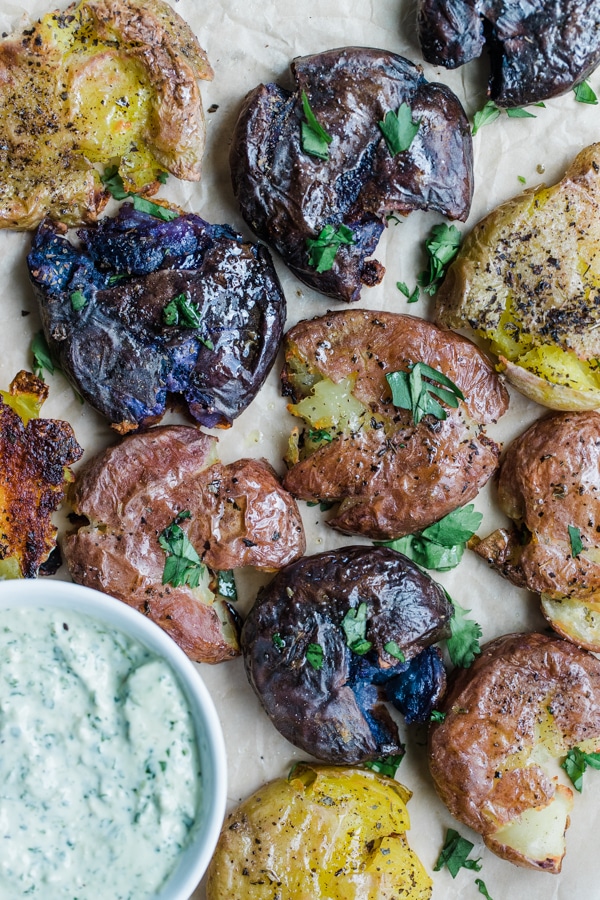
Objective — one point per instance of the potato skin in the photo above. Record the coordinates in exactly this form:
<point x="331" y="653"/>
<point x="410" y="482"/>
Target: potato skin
<point x="353" y="846"/>
<point x="526" y="281"/>
<point x="550" y="480"/>
<point x="333" y="713"/>
<point x="132" y="491"/>
<point x="521" y="686"/>
<point x="394" y="478"/>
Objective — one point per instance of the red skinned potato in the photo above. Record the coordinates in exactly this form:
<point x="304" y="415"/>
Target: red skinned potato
<point x="528" y="699"/>
<point x="390" y="476"/>
<point x="130" y="493"/>
<point x="549" y="485"/>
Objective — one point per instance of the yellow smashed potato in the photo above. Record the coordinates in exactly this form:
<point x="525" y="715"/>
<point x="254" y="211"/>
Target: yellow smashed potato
<point x="326" y="833"/>
<point x="527" y="280"/>
<point x="105" y="82"/>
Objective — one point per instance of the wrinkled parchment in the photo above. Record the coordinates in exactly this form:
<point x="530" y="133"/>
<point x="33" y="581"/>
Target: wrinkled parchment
<point x="249" y="41"/>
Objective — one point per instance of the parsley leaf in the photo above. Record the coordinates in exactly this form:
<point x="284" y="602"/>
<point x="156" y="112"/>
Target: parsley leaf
<point x="183" y="565"/>
<point x="41" y="356"/>
<point x="517" y="112"/>
<point x="354" y="624"/>
<point x="485" y="116"/>
<point x="388" y="765"/>
<point x="440" y="546"/>
<point x="314" y="656"/>
<point x="441" y="246"/>
<point x="463" y="643"/>
<point x="113" y="183"/>
<point x="319" y="434"/>
<point x="398" y="129"/>
<point x="182" y="310"/>
<point x="482" y="888"/>
<point x="278" y="641"/>
<point x="322" y="249"/>
<point x="575" y="539"/>
<point x="437" y="716"/>
<point x="153" y="209"/>
<point x="575" y="764"/>
<point x="411" y="391"/>
<point x="78" y="300"/>
<point x="394" y="650"/>
<point x="454" y="854"/>
<point x="162" y="177"/>
<point x="315" y="140"/>
<point x="411" y="297"/>
<point x="584" y="93"/>
<point x="457" y="527"/>
<point x="226" y="585"/>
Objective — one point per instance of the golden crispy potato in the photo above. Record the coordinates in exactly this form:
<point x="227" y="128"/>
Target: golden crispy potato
<point x="105" y="81"/>
<point x="325" y="833"/>
<point x="549" y="484"/>
<point x="391" y="476"/>
<point x="523" y="704"/>
<point x="130" y="493"/>
<point x="527" y="280"/>
<point x="34" y="458"/>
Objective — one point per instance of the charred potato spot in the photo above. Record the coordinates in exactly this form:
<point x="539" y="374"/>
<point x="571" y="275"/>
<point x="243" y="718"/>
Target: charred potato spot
<point x="525" y="702"/>
<point x="392" y="477"/>
<point x="353" y="825"/>
<point x="103" y="81"/>
<point x="35" y="456"/>
<point x="329" y="706"/>
<point x="126" y="496"/>
<point x="527" y="281"/>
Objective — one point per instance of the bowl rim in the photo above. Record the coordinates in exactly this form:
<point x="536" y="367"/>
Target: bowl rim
<point x="42" y="593"/>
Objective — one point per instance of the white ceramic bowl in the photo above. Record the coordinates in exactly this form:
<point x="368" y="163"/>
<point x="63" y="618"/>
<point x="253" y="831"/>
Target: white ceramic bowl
<point x="51" y="593"/>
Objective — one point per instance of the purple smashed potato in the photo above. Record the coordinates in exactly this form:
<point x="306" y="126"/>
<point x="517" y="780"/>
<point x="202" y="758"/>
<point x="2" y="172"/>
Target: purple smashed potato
<point x="143" y="308"/>
<point x="332" y="636"/>
<point x="288" y="196"/>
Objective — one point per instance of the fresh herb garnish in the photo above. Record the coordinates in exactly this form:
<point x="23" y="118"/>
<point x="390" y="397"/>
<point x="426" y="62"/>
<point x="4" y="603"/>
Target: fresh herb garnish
<point x="442" y="246"/>
<point x="388" y="765"/>
<point x="322" y="249"/>
<point x="517" y="112"/>
<point x="482" y="888"/>
<point x="315" y="140"/>
<point x="41" y="356"/>
<point x="485" y="116"/>
<point x="354" y="624"/>
<point x="226" y="585"/>
<point x="398" y="129"/>
<point x="78" y="300"/>
<point x="437" y="716"/>
<point x="319" y="434"/>
<point x="440" y="546"/>
<point x="278" y="641"/>
<point x="182" y="310"/>
<point x="454" y="854"/>
<point x="411" y="296"/>
<point x="575" y="764"/>
<point x="584" y="93"/>
<point x="394" y="650"/>
<point x="522" y="179"/>
<point x="314" y="656"/>
<point x="411" y="390"/>
<point x="575" y="539"/>
<point x="162" y="177"/>
<point x="324" y="505"/>
<point x="463" y="643"/>
<point x="183" y="565"/>
<point x="113" y="183"/>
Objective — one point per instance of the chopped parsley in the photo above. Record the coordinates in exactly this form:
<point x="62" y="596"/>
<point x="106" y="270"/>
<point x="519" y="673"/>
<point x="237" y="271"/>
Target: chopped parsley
<point x="442" y="247"/>
<point x="463" y="643"/>
<point x="323" y="248"/>
<point x="354" y="625"/>
<point x="440" y="546"/>
<point x="278" y="641"/>
<point x="182" y="565"/>
<point x="398" y="129"/>
<point x="485" y="116"/>
<point x="41" y="356"/>
<point x="394" y="650"/>
<point x="575" y="764"/>
<point x="575" y="539"/>
<point x="418" y="389"/>
<point x="584" y="93"/>
<point x="226" y="585"/>
<point x="437" y="716"/>
<point x="482" y="888"/>
<point x="319" y="434"/>
<point x="411" y="296"/>
<point x="78" y="300"/>
<point x="517" y="112"/>
<point x="162" y="177"/>
<point x="315" y="140"/>
<point x="388" y="765"/>
<point x="182" y="310"/>
<point x="454" y="854"/>
<point x="314" y="656"/>
<point x="153" y="209"/>
<point x="113" y="183"/>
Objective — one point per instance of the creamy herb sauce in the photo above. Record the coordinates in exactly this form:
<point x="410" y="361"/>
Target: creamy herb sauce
<point x="99" y="774"/>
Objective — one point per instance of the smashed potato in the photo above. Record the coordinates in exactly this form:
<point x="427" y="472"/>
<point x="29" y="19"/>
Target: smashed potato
<point x="326" y="832"/>
<point x="34" y="458"/>
<point x="104" y="82"/>
<point x="524" y="703"/>
<point x="527" y="280"/>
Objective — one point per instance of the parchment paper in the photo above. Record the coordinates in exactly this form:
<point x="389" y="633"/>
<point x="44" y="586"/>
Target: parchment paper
<point x="249" y="41"/>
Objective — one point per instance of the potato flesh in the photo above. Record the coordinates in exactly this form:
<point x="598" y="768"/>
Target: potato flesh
<point x="538" y="834"/>
<point x="331" y="406"/>
<point x="327" y="833"/>
<point x="577" y="620"/>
